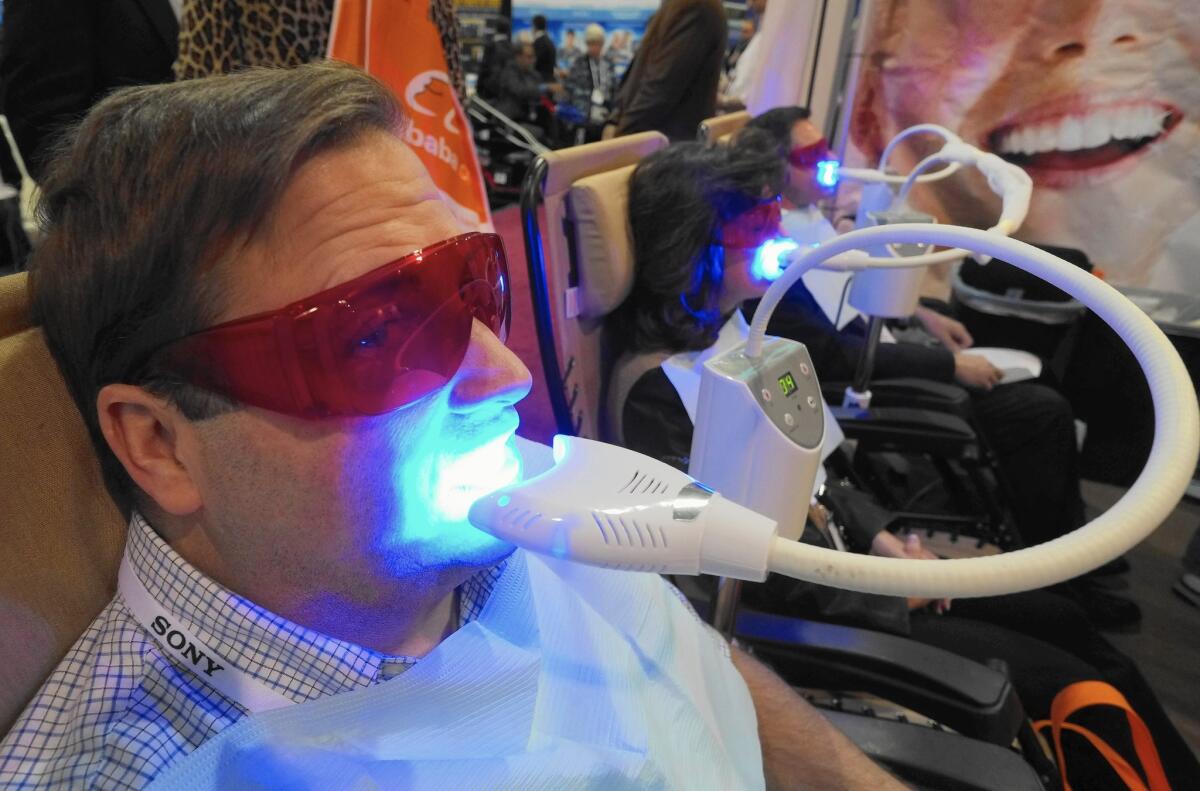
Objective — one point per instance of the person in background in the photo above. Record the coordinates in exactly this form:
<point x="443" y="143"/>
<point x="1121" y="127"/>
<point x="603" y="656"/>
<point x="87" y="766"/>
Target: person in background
<point x="591" y="85"/>
<point x="59" y="57"/>
<point x="745" y="33"/>
<point x="569" y="51"/>
<point x="497" y="54"/>
<point x="224" y="36"/>
<point x="671" y="86"/>
<point x="519" y="87"/>
<point x="543" y="50"/>
<point x="747" y="64"/>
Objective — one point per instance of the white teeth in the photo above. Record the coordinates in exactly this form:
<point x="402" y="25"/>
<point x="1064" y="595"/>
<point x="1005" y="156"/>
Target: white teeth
<point x="1070" y="135"/>
<point x="1075" y="133"/>
<point x="1046" y="138"/>
<point x="1096" y="130"/>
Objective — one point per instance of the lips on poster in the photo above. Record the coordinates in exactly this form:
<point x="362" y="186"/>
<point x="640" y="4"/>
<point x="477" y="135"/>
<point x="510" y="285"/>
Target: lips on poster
<point x="1097" y="99"/>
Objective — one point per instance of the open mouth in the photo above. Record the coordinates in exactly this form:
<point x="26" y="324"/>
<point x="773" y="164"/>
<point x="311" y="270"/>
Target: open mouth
<point x="1061" y="149"/>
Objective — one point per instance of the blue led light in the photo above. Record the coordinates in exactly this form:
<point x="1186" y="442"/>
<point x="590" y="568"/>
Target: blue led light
<point x="504" y="500"/>
<point x="827" y="172"/>
<point x="769" y="259"/>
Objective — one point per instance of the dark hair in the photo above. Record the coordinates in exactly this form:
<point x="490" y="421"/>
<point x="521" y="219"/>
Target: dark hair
<point x="503" y="25"/>
<point x="146" y="203"/>
<point x="539" y="22"/>
<point x="778" y="124"/>
<point x="678" y="197"/>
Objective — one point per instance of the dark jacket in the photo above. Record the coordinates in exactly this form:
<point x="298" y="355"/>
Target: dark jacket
<point x="671" y="86"/>
<point x="544" y="57"/>
<point x="497" y="54"/>
<point x="517" y="90"/>
<point x="579" y="83"/>
<point x="59" y="57"/>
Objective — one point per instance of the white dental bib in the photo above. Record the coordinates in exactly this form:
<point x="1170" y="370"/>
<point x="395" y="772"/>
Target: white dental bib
<point x="572" y="677"/>
<point x="684" y="370"/>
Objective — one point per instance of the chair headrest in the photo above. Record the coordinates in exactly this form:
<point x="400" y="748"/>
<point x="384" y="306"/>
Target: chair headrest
<point x="61" y="533"/>
<point x="14" y="304"/>
<point x="599" y="205"/>
<point x="722" y="128"/>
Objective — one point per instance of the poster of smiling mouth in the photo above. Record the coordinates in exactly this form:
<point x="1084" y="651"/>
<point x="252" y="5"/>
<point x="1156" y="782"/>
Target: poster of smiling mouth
<point x="1098" y="100"/>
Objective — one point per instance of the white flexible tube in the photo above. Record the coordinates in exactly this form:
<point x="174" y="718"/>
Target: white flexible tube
<point x="1013" y="185"/>
<point x="878" y="176"/>
<point x="1138" y="513"/>
<point x="847" y="263"/>
<point x="934" y="129"/>
<point x="915" y="174"/>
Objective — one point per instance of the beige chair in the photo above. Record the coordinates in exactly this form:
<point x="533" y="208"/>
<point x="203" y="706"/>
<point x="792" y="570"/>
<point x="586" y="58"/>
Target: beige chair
<point x="722" y="127"/>
<point x="573" y="207"/>
<point x="60" y="533"/>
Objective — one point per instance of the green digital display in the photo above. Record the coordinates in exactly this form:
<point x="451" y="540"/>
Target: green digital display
<point x="787" y="383"/>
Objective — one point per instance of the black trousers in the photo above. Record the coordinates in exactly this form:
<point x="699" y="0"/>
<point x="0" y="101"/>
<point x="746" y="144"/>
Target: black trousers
<point x="1047" y="643"/>
<point x="1031" y="429"/>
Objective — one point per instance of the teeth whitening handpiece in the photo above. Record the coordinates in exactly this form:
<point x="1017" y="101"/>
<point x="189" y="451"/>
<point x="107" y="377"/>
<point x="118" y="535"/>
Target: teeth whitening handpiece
<point x="603" y="505"/>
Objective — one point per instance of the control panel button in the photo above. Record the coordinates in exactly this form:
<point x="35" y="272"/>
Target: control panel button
<point x="766" y="394"/>
<point x="812" y="401"/>
<point x="804" y="369"/>
<point x="787" y="418"/>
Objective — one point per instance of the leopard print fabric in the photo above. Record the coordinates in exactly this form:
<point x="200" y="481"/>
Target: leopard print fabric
<point x="221" y="36"/>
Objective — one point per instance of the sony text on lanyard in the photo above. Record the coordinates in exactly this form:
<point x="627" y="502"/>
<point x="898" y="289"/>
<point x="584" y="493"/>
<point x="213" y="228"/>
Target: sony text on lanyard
<point x="188" y="651"/>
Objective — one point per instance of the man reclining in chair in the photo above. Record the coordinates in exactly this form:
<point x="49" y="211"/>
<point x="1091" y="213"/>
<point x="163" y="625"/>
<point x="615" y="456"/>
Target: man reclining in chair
<point x="296" y="409"/>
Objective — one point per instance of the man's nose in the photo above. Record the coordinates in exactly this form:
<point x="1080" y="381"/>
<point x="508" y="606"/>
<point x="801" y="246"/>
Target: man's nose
<point x="490" y="374"/>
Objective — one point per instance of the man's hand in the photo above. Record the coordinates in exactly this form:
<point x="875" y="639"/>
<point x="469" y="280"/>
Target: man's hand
<point x="950" y="333"/>
<point x="886" y="545"/>
<point x="801" y="749"/>
<point x="973" y="370"/>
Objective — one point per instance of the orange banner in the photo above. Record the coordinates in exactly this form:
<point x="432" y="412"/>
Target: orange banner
<point x="398" y="42"/>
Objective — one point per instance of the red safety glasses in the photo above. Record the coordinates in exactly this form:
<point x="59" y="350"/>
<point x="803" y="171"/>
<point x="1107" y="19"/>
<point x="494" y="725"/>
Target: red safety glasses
<point x="365" y="347"/>
<point x="808" y="156"/>
<point x="753" y="227"/>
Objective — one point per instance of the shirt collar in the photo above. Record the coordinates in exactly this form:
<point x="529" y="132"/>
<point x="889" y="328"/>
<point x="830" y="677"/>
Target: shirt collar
<point x="300" y="663"/>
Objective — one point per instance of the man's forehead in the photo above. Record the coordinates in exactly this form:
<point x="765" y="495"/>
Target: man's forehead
<point x="804" y="133"/>
<point x="343" y="213"/>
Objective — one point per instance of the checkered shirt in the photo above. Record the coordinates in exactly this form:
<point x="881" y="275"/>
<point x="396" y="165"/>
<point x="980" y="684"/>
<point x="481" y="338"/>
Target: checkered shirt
<point x="116" y="712"/>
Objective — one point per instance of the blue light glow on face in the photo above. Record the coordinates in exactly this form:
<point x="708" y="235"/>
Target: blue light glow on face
<point x="770" y="259"/>
<point x="436" y="473"/>
<point x="827" y="173"/>
<point x="461" y="480"/>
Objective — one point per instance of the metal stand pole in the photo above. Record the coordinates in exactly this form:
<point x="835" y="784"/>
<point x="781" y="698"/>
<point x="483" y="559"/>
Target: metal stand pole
<point x="729" y="592"/>
<point x="859" y="393"/>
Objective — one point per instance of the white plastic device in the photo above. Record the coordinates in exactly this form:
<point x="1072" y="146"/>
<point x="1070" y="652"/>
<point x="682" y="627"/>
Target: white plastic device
<point x="566" y="512"/>
<point x="608" y="506"/>
<point x="759" y="430"/>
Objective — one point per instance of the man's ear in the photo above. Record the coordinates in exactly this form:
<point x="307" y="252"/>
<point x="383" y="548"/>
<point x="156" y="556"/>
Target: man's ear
<point x="148" y="435"/>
